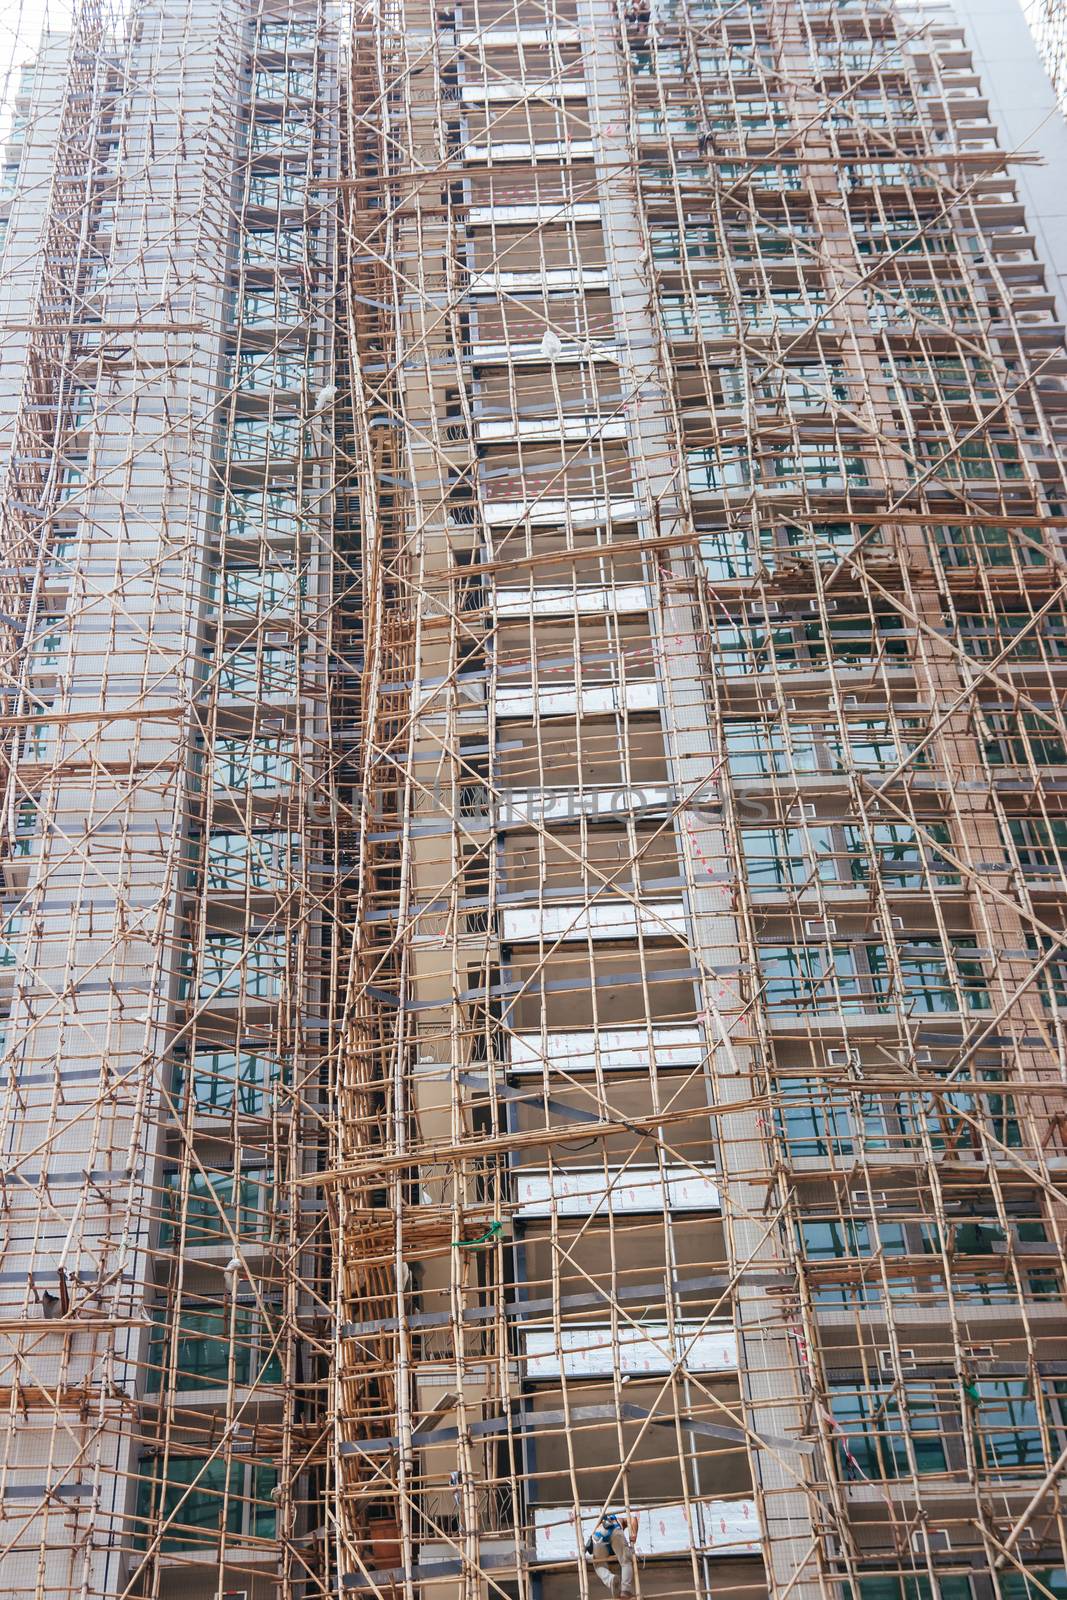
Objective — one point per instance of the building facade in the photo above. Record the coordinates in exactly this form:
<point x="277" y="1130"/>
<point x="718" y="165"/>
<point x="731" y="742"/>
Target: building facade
<point x="711" y="929"/>
<point x="535" y="826"/>
<point x="169" y="279"/>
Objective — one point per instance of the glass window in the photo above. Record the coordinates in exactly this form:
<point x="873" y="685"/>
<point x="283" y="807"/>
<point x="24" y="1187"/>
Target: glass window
<point x="265" y="438"/>
<point x="754" y="311"/>
<point x="283" y="83"/>
<point x="868" y="743"/>
<point x="973" y="458"/>
<point x="828" y="541"/>
<point x="233" y="966"/>
<point x="60" y="557"/>
<point x="729" y="552"/>
<point x="1040" y="843"/>
<point x="71" y="479"/>
<point x="200" y="1496"/>
<point x="930" y="302"/>
<point x="875" y="1428"/>
<point x="775" y="176"/>
<point x="810" y="977"/>
<point x="37" y="741"/>
<point x="753" y="648"/>
<point x="949" y="1116"/>
<point x="217" y="1206"/>
<point x="265" y="371"/>
<point x="988" y="633"/>
<point x="838" y="853"/>
<point x="1007" y="1427"/>
<point x="207" y="1345"/>
<point x="271" y="247"/>
<point x="262" y="764"/>
<point x="984" y="546"/>
<point x="287" y="186"/>
<point x="26" y="821"/>
<point x="826" y="1242"/>
<point x="672" y="12"/>
<point x="259" y="860"/>
<point x="808" y="387"/>
<point x="280" y="305"/>
<point x="924" y="381"/>
<point x="223" y="1079"/>
<point x="286" y="34"/>
<point x="862" y="56"/>
<point x="776" y="857"/>
<point x="824" y="468"/>
<point x="698" y="242"/>
<point x="248" y="590"/>
<point x="667" y="61"/>
<point x="714" y="467"/>
<point x="835" y="1239"/>
<point x="673" y="122"/>
<point x="1022" y="739"/>
<point x="880" y="110"/>
<point x="812" y="1119"/>
<point x="902" y="859"/>
<point x="933" y="980"/>
<point x="819" y="1118"/>
<point x="256" y="514"/>
<point x="48" y="640"/>
<point x="278" y="133"/>
<point x="251" y="674"/>
<point x="1018" y="1586"/>
<point x="917" y="1586"/>
<point x="12" y="930"/>
<point x="761" y="749"/>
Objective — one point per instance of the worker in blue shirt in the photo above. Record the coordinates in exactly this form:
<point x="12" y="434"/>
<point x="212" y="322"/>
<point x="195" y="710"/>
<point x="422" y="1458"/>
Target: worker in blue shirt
<point x="613" y="1536"/>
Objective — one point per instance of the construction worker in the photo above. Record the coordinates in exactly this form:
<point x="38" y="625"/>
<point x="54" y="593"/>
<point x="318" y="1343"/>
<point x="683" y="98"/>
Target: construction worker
<point x="613" y="1537"/>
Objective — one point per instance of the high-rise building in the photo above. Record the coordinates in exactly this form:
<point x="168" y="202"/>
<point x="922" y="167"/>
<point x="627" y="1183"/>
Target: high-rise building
<point x="168" y="301"/>
<point x="534" y="841"/>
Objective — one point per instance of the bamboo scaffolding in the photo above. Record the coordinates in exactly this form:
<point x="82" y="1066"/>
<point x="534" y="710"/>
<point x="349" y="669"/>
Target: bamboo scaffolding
<point x="710" y="716"/>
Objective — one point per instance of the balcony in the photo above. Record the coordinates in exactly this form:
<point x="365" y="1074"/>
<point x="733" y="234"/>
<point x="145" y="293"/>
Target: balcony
<point x="579" y="600"/>
<point x="534" y="214"/>
<point x="593" y="1350"/>
<point x="573" y="513"/>
<point x="519" y="808"/>
<point x="530" y="150"/>
<point x="572" y="428"/>
<point x="711" y="1527"/>
<point x="592" y="1191"/>
<point x="599" y="920"/>
<point x="602" y="700"/>
<point x="569" y="352"/>
<point x="608" y="1049"/>
<point x="504" y="91"/>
